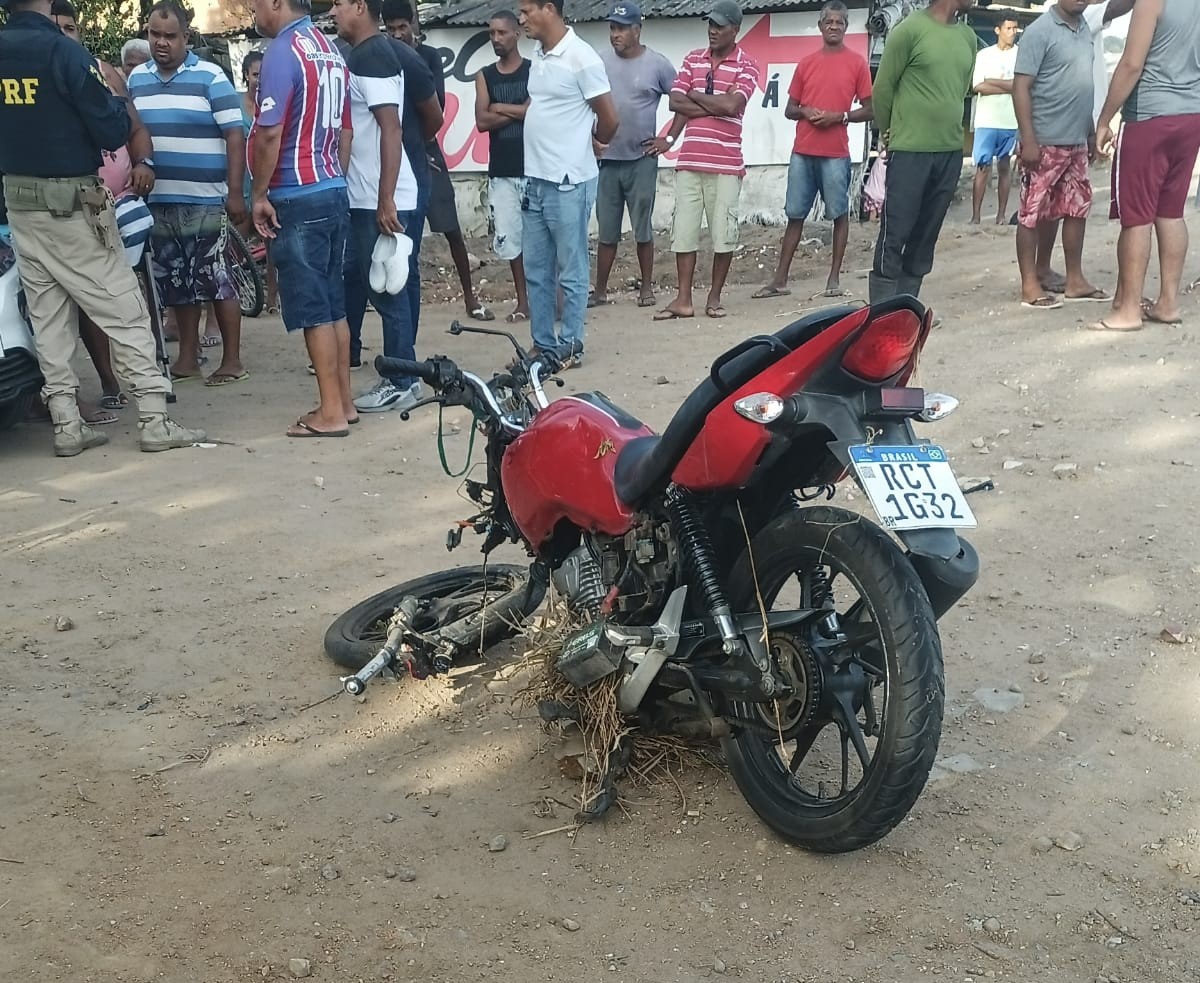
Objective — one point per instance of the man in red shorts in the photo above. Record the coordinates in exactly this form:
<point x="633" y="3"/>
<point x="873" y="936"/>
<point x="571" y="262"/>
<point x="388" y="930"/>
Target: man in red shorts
<point x="1157" y="87"/>
<point x="1052" y="97"/>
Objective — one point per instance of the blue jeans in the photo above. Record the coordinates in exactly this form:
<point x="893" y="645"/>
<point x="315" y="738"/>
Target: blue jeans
<point x="554" y="234"/>
<point x="395" y="310"/>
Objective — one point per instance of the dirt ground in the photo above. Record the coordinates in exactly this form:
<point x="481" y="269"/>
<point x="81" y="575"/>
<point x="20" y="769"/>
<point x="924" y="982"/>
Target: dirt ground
<point x="172" y="807"/>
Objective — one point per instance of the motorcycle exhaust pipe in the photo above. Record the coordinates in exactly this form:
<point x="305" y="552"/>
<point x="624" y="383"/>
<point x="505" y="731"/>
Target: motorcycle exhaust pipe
<point x="947" y="581"/>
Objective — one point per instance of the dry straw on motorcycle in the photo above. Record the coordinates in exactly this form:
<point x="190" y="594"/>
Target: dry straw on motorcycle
<point x="610" y="745"/>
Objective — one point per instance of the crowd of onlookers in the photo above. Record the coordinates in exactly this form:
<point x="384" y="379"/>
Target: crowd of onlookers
<point x="331" y="156"/>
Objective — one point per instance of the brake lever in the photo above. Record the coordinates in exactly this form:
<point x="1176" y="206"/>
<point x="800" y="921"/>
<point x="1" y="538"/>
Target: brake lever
<point x="427" y="401"/>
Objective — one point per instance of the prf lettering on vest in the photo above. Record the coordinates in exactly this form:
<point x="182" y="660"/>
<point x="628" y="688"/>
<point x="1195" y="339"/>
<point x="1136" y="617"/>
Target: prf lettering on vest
<point x="19" y="92"/>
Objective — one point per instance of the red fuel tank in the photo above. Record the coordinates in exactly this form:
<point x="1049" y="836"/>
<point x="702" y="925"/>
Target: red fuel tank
<point x="562" y="468"/>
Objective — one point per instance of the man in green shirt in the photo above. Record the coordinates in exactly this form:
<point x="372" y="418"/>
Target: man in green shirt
<point x="923" y="81"/>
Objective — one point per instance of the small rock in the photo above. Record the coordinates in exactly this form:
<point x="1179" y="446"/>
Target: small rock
<point x="662" y="380"/>
<point x="390" y="817"/>
<point x="155" y="831"/>
<point x="850" y="945"/>
<point x="1036" y="658"/>
<point x="1064" y="470"/>
<point x="1173" y="634"/>
<point x="1040" y="675"/>
<point x="319" y="481"/>
<point x="498" y="843"/>
<point x="1043" y="844"/>
<point x="405" y="874"/>
<point x="1069" y="841"/>
<point x="1037" y="424"/>
<point x="300" y="967"/>
<point x="330" y="872"/>
<point x="978" y="442"/>
<point x="719" y="967"/>
<point x="1012" y="465"/>
<point x="389" y="872"/>
<point x="63" y="623"/>
<point x="571" y="925"/>
<point x="992" y="925"/>
<point x="1129" y="730"/>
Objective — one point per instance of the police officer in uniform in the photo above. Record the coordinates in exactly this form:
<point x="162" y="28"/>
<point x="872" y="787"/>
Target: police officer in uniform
<point x="56" y="115"/>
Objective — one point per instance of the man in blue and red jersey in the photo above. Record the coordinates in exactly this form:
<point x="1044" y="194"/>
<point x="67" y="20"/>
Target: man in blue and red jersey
<point x="299" y="150"/>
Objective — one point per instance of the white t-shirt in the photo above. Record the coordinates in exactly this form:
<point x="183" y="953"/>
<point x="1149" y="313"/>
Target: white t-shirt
<point x="995" y="112"/>
<point x="376" y="79"/>
<point x="559" y="121"/>
<point x="1094" y="17"/>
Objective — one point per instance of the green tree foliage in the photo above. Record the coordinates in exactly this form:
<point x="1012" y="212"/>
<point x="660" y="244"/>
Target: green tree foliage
<point x="108" y="24"/>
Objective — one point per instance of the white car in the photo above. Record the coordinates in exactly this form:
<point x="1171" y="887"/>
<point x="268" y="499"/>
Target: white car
<point x="20" y="376"/>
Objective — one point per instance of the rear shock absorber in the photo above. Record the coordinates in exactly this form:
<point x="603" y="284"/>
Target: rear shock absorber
<point x="697" y="551"/>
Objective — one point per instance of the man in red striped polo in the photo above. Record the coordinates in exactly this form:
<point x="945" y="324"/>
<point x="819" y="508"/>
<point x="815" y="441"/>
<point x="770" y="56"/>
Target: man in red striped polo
<point x="709" y="98"/>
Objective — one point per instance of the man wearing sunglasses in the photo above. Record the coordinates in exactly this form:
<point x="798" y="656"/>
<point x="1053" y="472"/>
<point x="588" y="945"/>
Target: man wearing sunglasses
<point x="709" y="98"/>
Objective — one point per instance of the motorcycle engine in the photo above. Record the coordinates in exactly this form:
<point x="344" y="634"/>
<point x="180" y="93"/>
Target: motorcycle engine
<point x="635" y="569"/>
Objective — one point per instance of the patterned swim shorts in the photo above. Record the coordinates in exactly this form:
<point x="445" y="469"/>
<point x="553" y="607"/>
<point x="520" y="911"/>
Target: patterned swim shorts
<point x="1058" y="187"/>
<point x="189" y="254"/>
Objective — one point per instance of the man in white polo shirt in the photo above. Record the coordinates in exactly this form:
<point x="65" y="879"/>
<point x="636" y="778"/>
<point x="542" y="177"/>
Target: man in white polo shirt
<point x="571" y="118"/>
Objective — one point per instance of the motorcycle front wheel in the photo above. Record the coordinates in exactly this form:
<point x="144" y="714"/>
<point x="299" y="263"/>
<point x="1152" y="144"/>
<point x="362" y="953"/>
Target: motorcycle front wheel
<point x="838" y="765"/>
<point x="475" y="607"/>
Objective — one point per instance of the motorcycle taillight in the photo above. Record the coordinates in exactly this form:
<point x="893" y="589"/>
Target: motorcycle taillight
<point x="885" y="346"/>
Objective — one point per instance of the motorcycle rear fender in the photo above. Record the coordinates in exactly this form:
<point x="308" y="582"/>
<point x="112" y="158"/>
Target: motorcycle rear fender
<point x="946" y="563"/>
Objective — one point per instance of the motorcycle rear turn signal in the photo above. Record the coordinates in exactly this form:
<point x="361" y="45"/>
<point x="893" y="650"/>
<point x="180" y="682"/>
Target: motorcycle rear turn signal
<point x="937" y="407"/>
<point x="760" y="408"/>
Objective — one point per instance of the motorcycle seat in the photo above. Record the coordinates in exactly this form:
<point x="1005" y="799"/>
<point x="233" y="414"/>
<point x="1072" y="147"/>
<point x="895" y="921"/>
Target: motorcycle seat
<point x="645" y="464"/>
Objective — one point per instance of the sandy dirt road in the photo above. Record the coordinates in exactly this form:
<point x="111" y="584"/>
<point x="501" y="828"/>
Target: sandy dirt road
<point x="169" y="811"/>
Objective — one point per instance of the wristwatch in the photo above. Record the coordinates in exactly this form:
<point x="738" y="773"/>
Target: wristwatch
<point x="148" y="161"/>
<point x="845" y="119"/>
<point x="670" y="139"/>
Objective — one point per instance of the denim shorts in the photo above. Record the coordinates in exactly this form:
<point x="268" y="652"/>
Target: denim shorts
<point x="308" y="252"/>
<point x="810" y="176"/>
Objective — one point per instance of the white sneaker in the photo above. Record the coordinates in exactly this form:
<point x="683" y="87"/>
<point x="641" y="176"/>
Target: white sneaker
<point x="412" y="396"/>
<point x="383" y="396"/>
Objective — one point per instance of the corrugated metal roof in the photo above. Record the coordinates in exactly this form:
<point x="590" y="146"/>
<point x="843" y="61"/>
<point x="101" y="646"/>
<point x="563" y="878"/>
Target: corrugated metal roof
<point x="471" y="13"/>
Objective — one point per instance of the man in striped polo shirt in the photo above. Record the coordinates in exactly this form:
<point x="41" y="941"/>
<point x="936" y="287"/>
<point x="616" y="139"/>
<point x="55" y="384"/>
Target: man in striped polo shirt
<point x="299" y="151"/>
<point x="709" y="98"/>
<point x="194" y="117"/>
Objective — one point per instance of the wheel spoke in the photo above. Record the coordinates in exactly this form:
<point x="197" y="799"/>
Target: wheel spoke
<point x="853" y="730"/>
<point x="804" y="743"/>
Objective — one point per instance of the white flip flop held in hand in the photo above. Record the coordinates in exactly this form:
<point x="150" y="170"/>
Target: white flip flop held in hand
<point x="397" y="265"/>
<point x="385" y="249"/>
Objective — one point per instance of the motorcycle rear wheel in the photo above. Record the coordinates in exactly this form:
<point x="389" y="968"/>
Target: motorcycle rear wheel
<point x="475" y="606"/>
<point x="896" y="675"/>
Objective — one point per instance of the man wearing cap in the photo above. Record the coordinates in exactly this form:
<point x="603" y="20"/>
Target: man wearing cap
<point x="56" y="116"/>
<point x="709" y="98"/>
<point x="571" y="118"/>
<point x="640" y="77"/>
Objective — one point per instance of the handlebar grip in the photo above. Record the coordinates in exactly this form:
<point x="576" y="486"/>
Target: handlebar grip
<point x="389" y="367"/>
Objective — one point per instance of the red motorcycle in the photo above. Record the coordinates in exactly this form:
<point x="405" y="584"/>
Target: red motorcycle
<point x="731" y="604"/>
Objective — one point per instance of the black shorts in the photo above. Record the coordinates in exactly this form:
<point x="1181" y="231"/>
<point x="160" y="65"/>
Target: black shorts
<point x="442" y="214"/>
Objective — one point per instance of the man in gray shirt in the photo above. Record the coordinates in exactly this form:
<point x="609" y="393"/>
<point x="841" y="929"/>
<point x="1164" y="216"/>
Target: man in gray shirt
<point x="639" y="77"/>
<point x="1157" y="87"/>
<point x="1052" y="97"/>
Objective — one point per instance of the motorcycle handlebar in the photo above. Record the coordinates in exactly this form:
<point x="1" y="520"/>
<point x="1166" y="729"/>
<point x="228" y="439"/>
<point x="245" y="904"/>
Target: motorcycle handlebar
<point x="389" y="367"/>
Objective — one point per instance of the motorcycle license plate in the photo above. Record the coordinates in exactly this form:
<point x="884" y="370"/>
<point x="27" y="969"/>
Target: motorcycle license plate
<point x="911" y="486"/>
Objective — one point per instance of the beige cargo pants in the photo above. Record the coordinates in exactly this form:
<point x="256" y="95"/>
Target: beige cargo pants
<point x="76" y="260"/>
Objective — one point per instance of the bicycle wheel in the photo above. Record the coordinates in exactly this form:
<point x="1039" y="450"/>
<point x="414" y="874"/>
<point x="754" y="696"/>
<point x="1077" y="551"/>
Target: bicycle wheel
<point x="252" y="291"/>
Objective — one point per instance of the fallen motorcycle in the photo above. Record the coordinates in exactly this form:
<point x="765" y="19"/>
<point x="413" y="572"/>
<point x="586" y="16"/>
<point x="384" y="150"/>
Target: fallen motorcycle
<point x="711" y="578"/>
